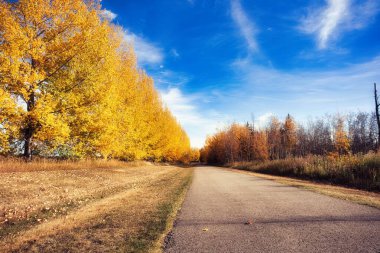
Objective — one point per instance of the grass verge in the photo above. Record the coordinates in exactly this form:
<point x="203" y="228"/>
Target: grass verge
<point x="356" y="171"/>
<point x="355" y="195"/>
<point x="152" y="237"/>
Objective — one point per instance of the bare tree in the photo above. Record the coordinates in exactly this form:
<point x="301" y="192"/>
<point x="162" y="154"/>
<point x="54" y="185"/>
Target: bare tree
<point x="377" y="114"/>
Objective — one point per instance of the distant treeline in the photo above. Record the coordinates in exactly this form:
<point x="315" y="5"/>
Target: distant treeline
<point x="338" y="149"/>
<point x="70" y="87"/>
<point x="330" y="135"/>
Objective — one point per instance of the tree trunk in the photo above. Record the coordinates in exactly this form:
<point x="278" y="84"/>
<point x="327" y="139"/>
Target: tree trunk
<point x="29" y="129"/>
<point x="377" y="115"/>
<point x="28" y="149"/>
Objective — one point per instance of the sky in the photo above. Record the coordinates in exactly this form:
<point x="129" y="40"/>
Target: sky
<point x="215" y="62"/>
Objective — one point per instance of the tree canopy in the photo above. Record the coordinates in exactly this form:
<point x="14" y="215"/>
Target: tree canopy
<point x="70" y="87"/>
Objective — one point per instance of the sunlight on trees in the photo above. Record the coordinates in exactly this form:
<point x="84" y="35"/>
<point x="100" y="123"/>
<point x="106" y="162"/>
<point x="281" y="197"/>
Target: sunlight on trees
<point x="329" y="136"/>
<point x="70" y="87"/>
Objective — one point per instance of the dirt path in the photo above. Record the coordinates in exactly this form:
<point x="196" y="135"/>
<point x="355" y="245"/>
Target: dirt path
<point x="284" y="218"/>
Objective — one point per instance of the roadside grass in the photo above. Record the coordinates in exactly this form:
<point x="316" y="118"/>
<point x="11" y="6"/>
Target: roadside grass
<point x="357" y="171"/>
<point x="154" y="232"/>
<point x="355" y="195"/>
<point x="97" y="210"/>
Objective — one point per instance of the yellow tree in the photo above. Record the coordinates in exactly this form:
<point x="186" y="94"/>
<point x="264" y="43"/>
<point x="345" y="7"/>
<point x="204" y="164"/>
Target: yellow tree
<point x="289" y="135"/>
<point x="260" y="146"/>
<point x="8" y="117"/>
<point x="342" y="142"/>
<point x="70" y="86"/>
<point x="55" y="62"/>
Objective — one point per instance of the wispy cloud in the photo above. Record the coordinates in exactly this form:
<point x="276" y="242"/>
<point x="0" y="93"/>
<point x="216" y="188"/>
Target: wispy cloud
<point x="302" y="92"/>
<point x="107" y="14"/>
<point x="147" y="52"/>
<point x="174" y="53"/>
<point x="246" y="27"/>
<point x="264" y="92"/>
<point x="166" y="78"/>
<point x="336" y="17"/>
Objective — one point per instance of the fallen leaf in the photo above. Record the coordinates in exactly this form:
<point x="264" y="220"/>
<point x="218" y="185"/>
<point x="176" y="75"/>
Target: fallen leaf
<point x="205" y="229"/>
<point x="248" y="222"/>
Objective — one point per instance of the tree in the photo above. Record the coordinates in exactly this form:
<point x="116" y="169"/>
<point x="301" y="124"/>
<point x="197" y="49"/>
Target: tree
<point x="289" y="135"/>
<point x="260" y="146"/>
<point x="55" y="57"/>
<point x="274" y="138"/>
<point x="303" y="143"/>
<point x="360" y="133"/>
<point x="377" y="114"/>
<point x="70" y="87"/>
<point x="320" y="136"/>
<point x="8" y="116"/>
<point x="342" y="143"/>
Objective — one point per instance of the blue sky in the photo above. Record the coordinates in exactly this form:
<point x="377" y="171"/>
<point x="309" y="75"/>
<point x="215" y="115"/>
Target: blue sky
<point x="219" y="61"/>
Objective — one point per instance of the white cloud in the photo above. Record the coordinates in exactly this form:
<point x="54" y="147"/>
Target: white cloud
<point x="300" y="93"/>
<point x="107" y="14"/>
<point x="187" y="109"/>
<point x="337" y="17"/>
<point x="263" y="119"/>
<point x="180" y="105"/>
<point x="147" y="53"/>
<point x="265" y="92"/>
<point x="246" y="27"/>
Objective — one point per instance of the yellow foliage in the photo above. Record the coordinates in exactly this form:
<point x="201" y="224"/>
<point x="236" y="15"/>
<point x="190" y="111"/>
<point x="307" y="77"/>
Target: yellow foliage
<point x="70" y="86"/>
<point x="342" y="143"/>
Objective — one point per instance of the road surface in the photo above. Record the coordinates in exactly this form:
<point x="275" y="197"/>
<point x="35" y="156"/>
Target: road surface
<point x="284" y="218"/>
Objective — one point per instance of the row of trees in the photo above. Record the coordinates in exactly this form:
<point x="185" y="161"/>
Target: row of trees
<point x="70" y="87"/>
<point x="330" y="135"/>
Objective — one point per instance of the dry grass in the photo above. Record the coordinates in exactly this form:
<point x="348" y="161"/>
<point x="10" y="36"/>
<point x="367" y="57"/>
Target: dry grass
<point x="97" y="210"/>
<point x="358" y="171"/>
<point x="41" y="164"/>
<point x="355" y="195"/>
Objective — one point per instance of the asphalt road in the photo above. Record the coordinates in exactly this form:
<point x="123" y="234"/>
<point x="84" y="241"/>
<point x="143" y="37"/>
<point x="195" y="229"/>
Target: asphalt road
<point x="284" y="218"/>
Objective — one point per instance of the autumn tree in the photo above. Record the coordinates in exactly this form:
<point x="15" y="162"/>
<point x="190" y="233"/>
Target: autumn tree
<point x="278" y="141"/>
<point x="341" y="140"/>
<point x="55" y="59"/>
<point x="274" y="138"/>
<point x="260" y="146"/>
<point x="70" y="87"/>
<point x="288" y="136"/>
<point x="9" y="111"/>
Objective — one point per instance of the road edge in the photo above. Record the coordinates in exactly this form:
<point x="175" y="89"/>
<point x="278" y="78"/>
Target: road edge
<point x="179" y="197"/>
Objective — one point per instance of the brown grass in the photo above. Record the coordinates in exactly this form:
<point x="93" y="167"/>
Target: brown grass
<point x="357" y="171"/>
<point x="97" y="210"/>
<point x="42" y="164"/>
<point x="355" y="195"/>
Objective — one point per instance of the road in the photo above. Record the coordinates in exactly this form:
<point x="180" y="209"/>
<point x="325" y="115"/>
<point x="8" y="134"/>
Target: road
<point x="284" y="218"/>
